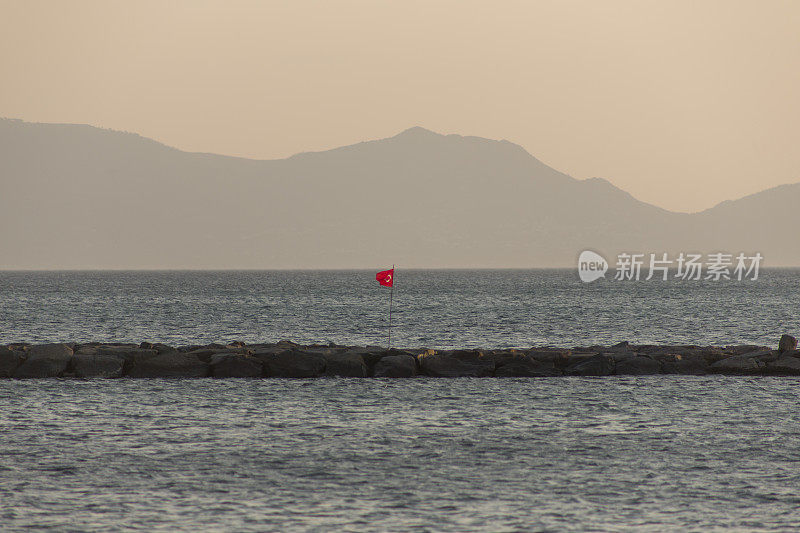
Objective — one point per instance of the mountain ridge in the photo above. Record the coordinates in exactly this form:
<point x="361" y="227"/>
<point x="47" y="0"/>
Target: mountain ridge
<point x="410" y="130"/>
<point x="76" y="196"/>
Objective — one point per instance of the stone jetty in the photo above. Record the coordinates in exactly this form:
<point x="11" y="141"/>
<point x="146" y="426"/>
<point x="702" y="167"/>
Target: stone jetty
<point x="286" y="359"/>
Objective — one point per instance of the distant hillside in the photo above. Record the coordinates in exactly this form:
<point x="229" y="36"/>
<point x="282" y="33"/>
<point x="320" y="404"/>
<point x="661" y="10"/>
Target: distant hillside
<point x="74" y="196"/>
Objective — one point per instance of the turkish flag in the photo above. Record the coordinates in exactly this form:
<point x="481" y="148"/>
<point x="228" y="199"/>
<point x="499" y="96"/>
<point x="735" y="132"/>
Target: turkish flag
<point x="385" y="277"/>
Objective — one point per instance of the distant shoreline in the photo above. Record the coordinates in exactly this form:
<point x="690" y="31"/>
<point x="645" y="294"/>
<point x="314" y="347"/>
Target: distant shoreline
<point x="289" y="360"/>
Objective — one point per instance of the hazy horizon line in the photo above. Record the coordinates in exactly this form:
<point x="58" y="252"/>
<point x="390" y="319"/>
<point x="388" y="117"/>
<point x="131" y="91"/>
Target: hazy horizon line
<point x="360" y="269"/>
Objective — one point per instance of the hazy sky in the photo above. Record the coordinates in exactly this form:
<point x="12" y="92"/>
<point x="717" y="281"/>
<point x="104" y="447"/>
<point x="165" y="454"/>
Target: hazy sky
<point x="683" y="104"/>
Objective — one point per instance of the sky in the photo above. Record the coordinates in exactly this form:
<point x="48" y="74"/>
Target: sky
<point x="681" y="103"/>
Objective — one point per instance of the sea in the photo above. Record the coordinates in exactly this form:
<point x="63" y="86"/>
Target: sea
<point x="626" y="453"/>
<point x="430" y="308"/>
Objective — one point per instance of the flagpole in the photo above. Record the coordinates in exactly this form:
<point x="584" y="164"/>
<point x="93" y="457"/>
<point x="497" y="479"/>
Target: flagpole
<point x="391" y="291"/>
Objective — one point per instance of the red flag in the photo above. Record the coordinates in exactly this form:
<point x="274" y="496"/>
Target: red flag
<point x="385" y="277"/>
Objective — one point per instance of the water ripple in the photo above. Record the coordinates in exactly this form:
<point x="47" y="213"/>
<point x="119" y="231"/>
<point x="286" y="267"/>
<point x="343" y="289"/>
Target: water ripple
<point x="644" y="453"/>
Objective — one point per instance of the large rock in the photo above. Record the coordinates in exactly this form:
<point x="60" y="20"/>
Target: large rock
<point x="130" y="353"/>
<point x="169" y="365"/>
<point x="9" y="361"/>
<point x="687" y="364"/>
<point x="742" y="349"/>
<point x="135" y="358"/>
<point x="97" y="365"/>
<point x="456" y="363"/>
<point x="558" y="358"/>
<point x="158" y="347"/>
<point x="711" y="355"/>
<point x="347" y="364"/>
<point x="574" y="358"/>
<point x="596" y="365"/>
<point x="785" y="365"/>
<point x="206" y="354"/>
<point x="45" y="361"/>
<point x="235" y="365"/>
<point x="622" y="355"/>
<point x="525" y="366"/>
<point x="501" y="357"/>
<point x="372" y="354"/>
<point x="292" y="364"/>
<point x="690" y="356"/>
<point x="214" y="348"/>
<point x="656" y="350"/>
<point x="738" y="364"/>
<point x="637" y="366"/>
<point x="787" y="344"/>
<point x="396" y="366"/>
<point x="263" y="350"/>
<point x="91" y="348"/>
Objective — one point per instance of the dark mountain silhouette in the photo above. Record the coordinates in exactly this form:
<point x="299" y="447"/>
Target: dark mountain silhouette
<point x="75" y="196"/>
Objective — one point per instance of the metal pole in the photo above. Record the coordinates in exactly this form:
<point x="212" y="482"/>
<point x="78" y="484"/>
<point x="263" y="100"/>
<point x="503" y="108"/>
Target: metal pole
<point x="391" y="291"/>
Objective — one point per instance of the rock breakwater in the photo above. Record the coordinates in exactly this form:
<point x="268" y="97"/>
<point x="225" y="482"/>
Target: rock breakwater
<point x="286" y="359"/>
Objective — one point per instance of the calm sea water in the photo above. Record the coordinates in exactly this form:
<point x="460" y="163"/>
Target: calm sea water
<point x="671" y="453"/>
<point x="665" y="453"/>
<point x="461" y="308"/>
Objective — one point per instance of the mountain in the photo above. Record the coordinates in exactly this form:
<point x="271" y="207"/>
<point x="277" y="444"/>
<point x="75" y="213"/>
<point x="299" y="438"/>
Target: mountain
<point x="75" y="196"/>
